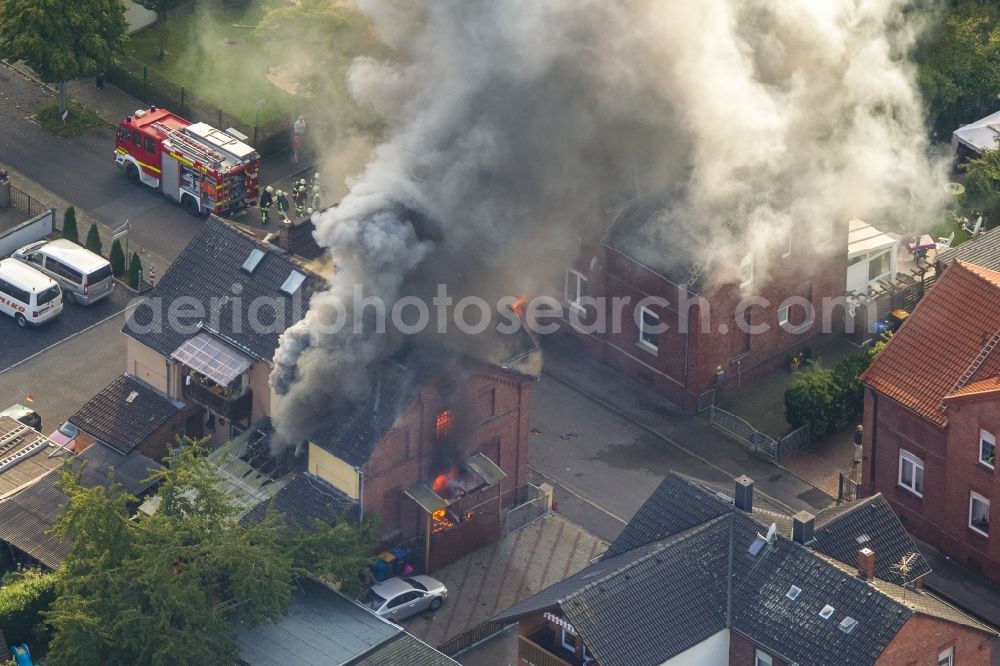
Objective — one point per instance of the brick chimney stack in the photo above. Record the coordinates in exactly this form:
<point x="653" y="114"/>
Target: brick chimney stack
<point x="866" y="564"/>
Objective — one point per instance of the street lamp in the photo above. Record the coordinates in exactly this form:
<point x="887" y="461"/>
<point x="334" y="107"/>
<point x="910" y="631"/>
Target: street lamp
<point x="257" y="122"/>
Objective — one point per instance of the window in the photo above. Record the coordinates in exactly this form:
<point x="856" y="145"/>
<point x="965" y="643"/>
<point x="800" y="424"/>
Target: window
<point x="979" y="513"/>
<point x="647" y="332"/>
<point x="987" y="449"/>
<point x="150" y="145"/>
<point x="761" y="658"/>
<point x="443" y="424"/>
<point x="947" y="657"/>
<point x="746" y="271"/>
<point x="488" y="402"/>
<point x="911" y="473"/>
<point x="576" y="287"/>
<point x="567" y="639"/>
<point x="136" y="138"/>
<point x="878" y="267"/>
<point x="47" y="295"/>
<point x="783" y="316"/>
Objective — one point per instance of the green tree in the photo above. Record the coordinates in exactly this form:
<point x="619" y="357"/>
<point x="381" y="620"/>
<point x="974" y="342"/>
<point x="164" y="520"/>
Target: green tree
<point x="23" y="596"/>
<point x="982" y="183"/>
<point x="94" y="240"/>
<point x="63" y="39"/>
<point x="810" y="399"/>
<point x="117" y="258"/>
<point x="310" y="25"/>
<point x="134" y="271"/>
<point x="169" y="588"/>
<point x="161" y="7"/>
<point x="69" y="230"/>
<point x="959" y="65"/>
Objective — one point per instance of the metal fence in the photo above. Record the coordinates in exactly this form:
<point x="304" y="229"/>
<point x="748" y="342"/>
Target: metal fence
<point x="528" y="511"/>
<point x="706" y="400"/>
<point x="743" y="432"/>
<point x="847" y="489"/>
<point x="468" y="639"/>
<point x="26" y="203"/>
<point x="796" y="440"/>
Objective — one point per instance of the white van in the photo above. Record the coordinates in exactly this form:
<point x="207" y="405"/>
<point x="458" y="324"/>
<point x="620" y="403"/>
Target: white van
<point x="27" y="295"/>
<point x="85" y="277"/>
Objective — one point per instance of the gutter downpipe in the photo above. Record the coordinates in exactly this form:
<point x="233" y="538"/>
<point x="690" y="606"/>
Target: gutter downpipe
<point x="361" y="494"/>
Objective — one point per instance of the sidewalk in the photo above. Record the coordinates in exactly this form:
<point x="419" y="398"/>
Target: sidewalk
<point x="689" y="433"/>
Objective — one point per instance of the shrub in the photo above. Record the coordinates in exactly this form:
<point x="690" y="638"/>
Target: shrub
<point x="23" y="596"/>
<point x="810" y="399"/>
<point x="69" y="230"/>
<point x="134" y="271"/>
<point x="94" y="240"/>
<point x="117" y="258"/>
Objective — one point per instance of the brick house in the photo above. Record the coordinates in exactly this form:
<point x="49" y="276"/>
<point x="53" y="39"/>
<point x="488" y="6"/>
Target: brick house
<point x="633" y="261"/>
<point x="437" y="450"/>
<point x="699" y="578"/>
<point x="932" y="417"/>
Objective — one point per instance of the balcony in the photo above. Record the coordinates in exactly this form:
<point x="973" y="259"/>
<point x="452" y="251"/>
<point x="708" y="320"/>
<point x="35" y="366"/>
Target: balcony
<point x="543" y="649"/>
<point x="235" y="408"/>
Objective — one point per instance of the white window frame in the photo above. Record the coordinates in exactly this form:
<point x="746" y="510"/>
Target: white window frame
<point x="761" y="658"/>
<point x="563" y="633"/>
<point x="643" y="311"/>
<point x="973" y="498"/>
<point x="579" y="280"/>
<point x="947" y="657"/>
<point x="917" y="464"/>
<point x="783" y="315"/>
<point x="986" y="437"/>
<point x="746" y="271"/>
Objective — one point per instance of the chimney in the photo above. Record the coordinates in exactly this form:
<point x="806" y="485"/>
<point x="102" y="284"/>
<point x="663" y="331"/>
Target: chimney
<point x="744" y="494"/>
<point x="803" y="524"/>
<point x="866" y="564"/>
<point x="284" y="236"/>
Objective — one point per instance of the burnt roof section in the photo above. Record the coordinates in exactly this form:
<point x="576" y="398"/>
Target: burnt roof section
<point x="869" y="523"/>
<point x="210" y="270"/>
<point x="304" y="501"/>
<point x="706" y="577"/>
<point x="643" y="232"/>
<point x="983" y="250"/>
<point x="122" y="420"/>
<point x="27" y="518"/>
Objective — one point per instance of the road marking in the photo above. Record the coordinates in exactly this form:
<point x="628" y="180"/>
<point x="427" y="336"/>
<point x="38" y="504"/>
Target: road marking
<point x="70" y="337"/>
<point x="576" y="494"/>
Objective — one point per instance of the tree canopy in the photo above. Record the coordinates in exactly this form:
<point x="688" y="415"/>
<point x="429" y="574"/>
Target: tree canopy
<point x="63" y="39"/>
<point x="982" y="182"/>
<point x="161" y="7"/>
<point x="168" y="588"/>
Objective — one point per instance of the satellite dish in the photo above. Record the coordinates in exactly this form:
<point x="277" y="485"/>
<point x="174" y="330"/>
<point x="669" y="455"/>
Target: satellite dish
<point x="772" y="532"/>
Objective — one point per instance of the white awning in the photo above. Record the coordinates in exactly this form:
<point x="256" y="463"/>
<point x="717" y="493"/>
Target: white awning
<point x="213" y="358"/>
<point x="559" y="622"/>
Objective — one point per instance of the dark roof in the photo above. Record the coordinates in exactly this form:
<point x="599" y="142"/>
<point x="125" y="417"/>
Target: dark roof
<point x="983" y="250"/>
<point x="210" y="270"/>
<point x="700" y="576"/>
<point x="405" y="649"/>
<point x="303" y="501"/>
<point x="26" y="518"/>
<point x="121" y="423"/>
<point x="643" y="232"/>
<point x="868" y="523"/>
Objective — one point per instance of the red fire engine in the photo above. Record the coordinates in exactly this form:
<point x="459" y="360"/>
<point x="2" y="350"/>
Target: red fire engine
<point x="205" y="169"/>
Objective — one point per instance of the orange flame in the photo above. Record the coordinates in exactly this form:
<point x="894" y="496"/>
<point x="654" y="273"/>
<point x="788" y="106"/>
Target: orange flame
<point x="442" y="483"/>
<point x="519" y="305"/>
<point x="441" y="521"/>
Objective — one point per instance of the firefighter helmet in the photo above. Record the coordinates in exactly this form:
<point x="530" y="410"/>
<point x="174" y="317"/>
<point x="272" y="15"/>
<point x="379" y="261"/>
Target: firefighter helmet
<point x="269" y="188"/>
<point x="309" y="211"/>
<point x="279" y="193"/>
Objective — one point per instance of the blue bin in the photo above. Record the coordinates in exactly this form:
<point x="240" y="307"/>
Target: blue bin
<point x="399" y="553"/>
<point x="380" y="570"/>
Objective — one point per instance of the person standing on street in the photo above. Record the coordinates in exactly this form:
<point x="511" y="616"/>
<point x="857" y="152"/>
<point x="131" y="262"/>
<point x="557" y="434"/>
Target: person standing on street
<point x="859" y="438"/>
<point x="317" y="192"/>
<point x="100" y="81"/>
<point x="301" y="193"/>
<point x="282" y="202"/>
<point x="266" y="200"/>
<point x="298" y="136"/>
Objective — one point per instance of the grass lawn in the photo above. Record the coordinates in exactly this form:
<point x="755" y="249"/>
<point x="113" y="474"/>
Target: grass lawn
<point x="79" y="120"/>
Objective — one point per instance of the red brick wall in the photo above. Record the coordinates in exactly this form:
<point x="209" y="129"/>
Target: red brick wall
<point x="742" y="651"/>
<point x="923" y="638"/>
<point x="951" y="471"/>
<point x="406" y="455"/>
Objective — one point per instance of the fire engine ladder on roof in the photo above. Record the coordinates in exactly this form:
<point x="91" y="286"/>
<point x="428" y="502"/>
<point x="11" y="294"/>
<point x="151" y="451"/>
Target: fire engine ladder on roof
<point x="203" y="152"/>
<point x="8" y="440"/>
<point x="978" y="361"/>
<point x="18" y="455"/>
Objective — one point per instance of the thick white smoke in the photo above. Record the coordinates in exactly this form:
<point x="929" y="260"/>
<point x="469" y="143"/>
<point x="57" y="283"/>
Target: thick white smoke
<point x="513" y="124"/>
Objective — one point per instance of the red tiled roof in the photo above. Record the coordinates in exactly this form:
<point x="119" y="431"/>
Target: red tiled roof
<point x="978" y="389"/>
<point x="940" y="341"/>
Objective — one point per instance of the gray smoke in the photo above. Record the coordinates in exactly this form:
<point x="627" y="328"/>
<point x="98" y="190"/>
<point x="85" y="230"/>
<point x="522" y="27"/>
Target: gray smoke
<point x="513" y="125"/>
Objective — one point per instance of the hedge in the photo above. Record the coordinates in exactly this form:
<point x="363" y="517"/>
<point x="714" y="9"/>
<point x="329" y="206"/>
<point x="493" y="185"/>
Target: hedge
<point x="23" y="596"/>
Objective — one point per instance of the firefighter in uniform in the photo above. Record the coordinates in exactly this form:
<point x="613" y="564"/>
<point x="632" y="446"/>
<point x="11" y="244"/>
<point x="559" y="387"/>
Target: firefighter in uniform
<point x="317" y="192"/>
<point x="266" y="200"/>
<point x="300" y="193"/>
<point x="282" y="202"/>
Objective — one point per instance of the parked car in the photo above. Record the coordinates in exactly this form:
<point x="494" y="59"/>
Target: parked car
<point x="405" y="596"/>
<point x="25" y="415"/>
<point x="65" y="436"/>
<point x="28" y="295"/>
<point x="85" y="277"/>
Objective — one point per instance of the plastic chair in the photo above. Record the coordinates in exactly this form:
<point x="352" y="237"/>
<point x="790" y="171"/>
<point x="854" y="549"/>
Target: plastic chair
<point x="944" y="243"/>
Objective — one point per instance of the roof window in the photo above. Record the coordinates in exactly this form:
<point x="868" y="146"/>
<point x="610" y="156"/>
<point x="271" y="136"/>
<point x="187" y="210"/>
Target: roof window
<point x="827" y="612"/>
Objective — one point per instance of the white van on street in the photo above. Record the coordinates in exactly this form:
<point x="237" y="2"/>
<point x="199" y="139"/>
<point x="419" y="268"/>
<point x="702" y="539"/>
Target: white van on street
<point x="28" y="295"/>
<point x="85" y="277"/>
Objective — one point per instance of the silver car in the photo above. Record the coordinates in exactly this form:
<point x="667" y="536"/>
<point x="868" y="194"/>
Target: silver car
<point x="405" y="596"/>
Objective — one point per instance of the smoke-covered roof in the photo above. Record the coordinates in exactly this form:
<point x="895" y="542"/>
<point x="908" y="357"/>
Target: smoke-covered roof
<point x="240" y="277"/>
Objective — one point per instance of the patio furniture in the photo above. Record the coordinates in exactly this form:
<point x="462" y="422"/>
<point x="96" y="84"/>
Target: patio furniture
<point x="944" y="243"/>
<point x="918" y="246"/>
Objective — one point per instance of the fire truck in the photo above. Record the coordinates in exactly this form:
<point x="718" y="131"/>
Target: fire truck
<point x="205" y="169"/>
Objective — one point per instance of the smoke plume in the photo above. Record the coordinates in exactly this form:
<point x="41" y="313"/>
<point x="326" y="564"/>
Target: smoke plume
<point x="512" y="126"/>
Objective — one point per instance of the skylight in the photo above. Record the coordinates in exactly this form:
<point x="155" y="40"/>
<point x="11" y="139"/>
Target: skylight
<point x="847" y="624"/>
<point x="827" y="612"/>
<point x="863" y="538"/>
<point x="292" y="284"/>
<point x="132" y="396"/>
<point x="256" y="255"/>
<point x="793" y="592"/>
<point x="757" y="546"/>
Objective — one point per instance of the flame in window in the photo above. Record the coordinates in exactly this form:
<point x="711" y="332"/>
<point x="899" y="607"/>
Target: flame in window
<point x="443" y="424"/>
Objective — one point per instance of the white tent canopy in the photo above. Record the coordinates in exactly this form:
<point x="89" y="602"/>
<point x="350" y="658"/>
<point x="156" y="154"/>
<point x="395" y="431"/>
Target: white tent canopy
<point x="871" y="256"/>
